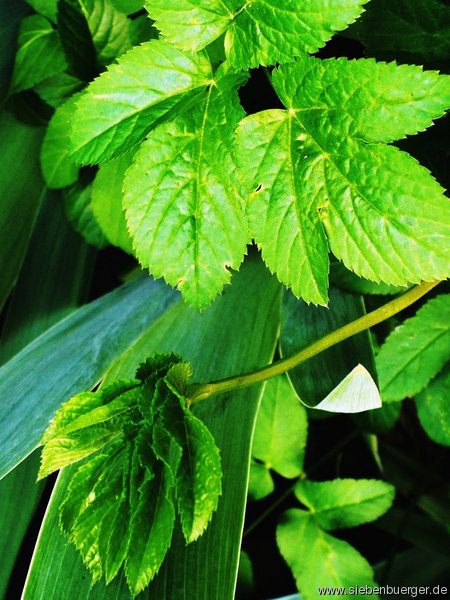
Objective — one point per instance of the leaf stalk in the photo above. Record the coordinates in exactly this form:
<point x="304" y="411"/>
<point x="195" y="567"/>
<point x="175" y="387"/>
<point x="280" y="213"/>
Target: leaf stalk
<point x="197" y="392"/>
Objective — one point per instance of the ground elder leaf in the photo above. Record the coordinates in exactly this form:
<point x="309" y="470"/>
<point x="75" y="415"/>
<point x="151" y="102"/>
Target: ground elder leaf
<point x="146" y="449"/>
<point x="317" y="558"/>
<point x="183" y="199"/>
<point x="415" y="351"/>
<point x="314" y="181"/>
<point x="255" y="32"/>
<point x="345" y="502"/>
<point x="39" y="54"/>
<point x="124" y="103"/>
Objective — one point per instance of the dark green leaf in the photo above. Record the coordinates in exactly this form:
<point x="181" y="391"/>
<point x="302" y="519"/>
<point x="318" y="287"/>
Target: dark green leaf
<point x="45" y="7"/>
<point x="77" y="40"/>
<point x="410" y="32"/>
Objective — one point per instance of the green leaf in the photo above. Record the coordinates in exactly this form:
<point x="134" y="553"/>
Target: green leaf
<point x="303" y="170"/>
<point x="21" y="196"/>
<point x="317" y="558"/>
<point x="356" y="393"/>
<point x="39" y="54"/>
<point x="260" y="483"/>
<point x="415" y="351"/>
<point x="409" y="32"/>
<point x="45" y="7"/>
<point x="302" y="324"/>
<point x="71" y="356"/>
<point x="57" y="168"/>
<point x="78" y="205"/>
<point x="281" y="429"/>
<point x="345" y="502"/>
<point x="107" y="201"/>
<point x="433" y="408"/>
<point x="58" y="89"/>
<point x="256" y="32"/>
<point x="148" y="83"/>
<point x="190" y="232"/>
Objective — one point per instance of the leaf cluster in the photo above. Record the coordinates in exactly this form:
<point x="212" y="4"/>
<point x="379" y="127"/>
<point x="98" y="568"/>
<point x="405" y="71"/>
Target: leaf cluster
<point x="143" y="454"/>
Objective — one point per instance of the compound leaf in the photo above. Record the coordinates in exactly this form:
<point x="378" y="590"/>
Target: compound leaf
<point x="415" y="351"/>
<point x="317" y="558"/>
<point x="256" y="32"/>
<point x="309" y="170"/>
<point x="39" y="54"/>
<point x="57" y="168"/>
<point x="148" y="82"/>
<point x="183" y="199"/>
<point x="433" y="408"/>
<point x="345" y="502"/>
<point x="281" y="429"/>
<point x="260" y="482"/>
